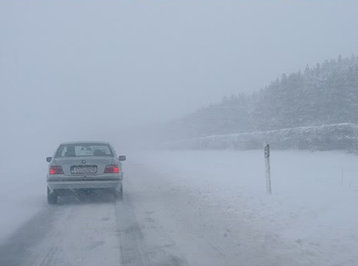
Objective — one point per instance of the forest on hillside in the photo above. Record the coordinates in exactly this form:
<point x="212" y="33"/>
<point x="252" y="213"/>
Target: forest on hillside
<point x="325" y="94"/>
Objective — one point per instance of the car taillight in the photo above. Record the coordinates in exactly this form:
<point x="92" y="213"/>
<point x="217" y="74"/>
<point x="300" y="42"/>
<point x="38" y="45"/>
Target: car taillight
<point x="111" y="169"/>
<point x="56" y="170"/>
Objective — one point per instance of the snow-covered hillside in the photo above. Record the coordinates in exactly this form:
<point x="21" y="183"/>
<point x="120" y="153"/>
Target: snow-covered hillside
<point x="322" y="95"/>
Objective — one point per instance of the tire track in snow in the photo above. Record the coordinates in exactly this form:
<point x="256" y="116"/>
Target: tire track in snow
<point x="71" y="233"/>
<point x="136" y="248"/>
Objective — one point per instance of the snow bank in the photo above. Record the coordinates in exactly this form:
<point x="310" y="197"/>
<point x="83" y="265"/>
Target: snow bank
<point x="342" y="136"/>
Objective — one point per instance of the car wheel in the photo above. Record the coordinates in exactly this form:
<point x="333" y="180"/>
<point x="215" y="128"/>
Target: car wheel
<point x="51" y="197"/>
<point x="118" y="193"/>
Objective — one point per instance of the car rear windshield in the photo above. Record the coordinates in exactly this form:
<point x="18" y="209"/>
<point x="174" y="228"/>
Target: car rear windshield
<point x="83" y="150"/>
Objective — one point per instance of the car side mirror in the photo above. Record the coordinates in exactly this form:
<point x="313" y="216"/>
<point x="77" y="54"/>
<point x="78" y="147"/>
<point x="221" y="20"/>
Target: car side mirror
<point x="48" y="159"/>
<point x="122" y="157"/>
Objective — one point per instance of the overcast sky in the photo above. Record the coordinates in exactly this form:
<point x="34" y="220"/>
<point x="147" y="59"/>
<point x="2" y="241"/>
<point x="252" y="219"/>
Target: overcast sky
<point x="71" y="68"/>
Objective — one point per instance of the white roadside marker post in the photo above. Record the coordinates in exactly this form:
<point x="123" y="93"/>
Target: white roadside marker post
<point x="268" y="171"/>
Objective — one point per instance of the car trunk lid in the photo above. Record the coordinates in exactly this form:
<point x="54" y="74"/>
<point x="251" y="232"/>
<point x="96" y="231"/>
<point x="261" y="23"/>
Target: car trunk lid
<point x="83" y="166"/>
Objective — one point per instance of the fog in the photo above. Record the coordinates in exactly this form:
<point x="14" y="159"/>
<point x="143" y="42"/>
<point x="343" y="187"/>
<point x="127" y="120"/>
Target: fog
<point x="139" y="75"/>
<point x="73" y="70"/>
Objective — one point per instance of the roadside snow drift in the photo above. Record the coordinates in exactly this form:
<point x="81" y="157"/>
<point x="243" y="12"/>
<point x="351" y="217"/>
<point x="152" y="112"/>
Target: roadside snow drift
<point x="311" y="213"/>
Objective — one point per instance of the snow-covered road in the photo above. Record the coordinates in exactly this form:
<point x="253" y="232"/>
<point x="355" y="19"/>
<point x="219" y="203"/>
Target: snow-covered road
<point x="158" y="223"/>
<point x="74" y="233"/>
<point x="197" y="208"/>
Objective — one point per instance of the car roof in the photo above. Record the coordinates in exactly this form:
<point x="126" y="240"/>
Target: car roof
<point x="85" y="142"/>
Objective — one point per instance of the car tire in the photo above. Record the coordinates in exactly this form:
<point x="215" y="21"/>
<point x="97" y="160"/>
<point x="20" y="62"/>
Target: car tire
<point x="51" y="197"/>
<point x="118" y="193"/>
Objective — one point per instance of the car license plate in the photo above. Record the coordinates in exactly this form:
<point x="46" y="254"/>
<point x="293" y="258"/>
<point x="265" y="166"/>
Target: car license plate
<point x="83" y="170"/>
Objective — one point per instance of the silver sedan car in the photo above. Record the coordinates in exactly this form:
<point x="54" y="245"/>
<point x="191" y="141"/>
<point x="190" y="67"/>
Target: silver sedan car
<point x="79" y="166"/>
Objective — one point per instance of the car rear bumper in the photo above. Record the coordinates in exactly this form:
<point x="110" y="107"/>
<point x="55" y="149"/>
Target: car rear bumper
<point x="88" y="184"/>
